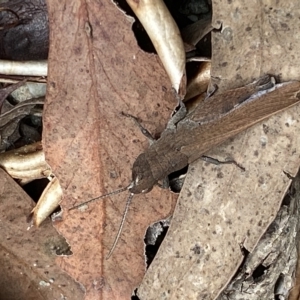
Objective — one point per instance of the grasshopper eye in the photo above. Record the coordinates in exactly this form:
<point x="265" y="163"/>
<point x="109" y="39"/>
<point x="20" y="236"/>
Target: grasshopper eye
<point x="137" y="179"/>
<point x="146" y="190"/>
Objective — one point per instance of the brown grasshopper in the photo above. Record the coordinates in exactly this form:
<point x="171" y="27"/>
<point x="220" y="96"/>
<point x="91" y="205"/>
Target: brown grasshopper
<point x="189" y="135"/>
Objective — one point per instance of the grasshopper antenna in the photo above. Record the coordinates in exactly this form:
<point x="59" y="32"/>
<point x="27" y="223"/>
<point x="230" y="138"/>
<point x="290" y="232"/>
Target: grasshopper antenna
<point x="101" y="197"/>
<point x="123" y="217"/>
<point x="120" y="227"/>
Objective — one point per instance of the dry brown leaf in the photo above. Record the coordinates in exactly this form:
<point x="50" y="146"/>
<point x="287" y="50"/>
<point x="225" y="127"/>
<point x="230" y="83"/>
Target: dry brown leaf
<point x="28" y="267"/>
<point x="221" y="208"/>
<point x="255" y="38"/>
<point x="96" y="71"/>
<point x="268" y="271"/>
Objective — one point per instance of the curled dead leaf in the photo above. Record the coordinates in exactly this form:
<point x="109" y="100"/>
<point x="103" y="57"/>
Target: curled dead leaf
<point x="47" y="203"/>
<point x="4" y="92"/>
<point x="193" y="33"/>
<point x="26" y="163"/>
<point x="10" y="120"/>
<point x="166" y="38"/>
<point x="25" y="68"/>
<point x="199" y="83"/>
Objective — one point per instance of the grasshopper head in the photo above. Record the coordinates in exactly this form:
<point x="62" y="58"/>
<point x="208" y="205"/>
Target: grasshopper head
<point x="142" y="178"/>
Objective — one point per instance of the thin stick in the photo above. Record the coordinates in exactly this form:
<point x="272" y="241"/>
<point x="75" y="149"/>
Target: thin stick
<point x="120" y="227"/>
<point x="100" y="197"/>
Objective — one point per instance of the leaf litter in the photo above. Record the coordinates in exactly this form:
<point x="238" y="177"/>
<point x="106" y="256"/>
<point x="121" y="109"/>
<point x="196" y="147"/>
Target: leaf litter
<point x="82" y="125"/>
<point x="221" y="209"/>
